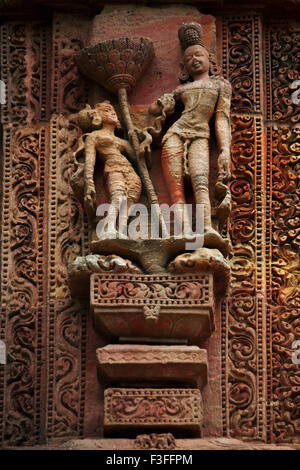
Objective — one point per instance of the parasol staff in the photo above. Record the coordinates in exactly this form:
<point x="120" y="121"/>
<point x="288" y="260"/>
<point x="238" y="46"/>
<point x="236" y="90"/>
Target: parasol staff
<point x="117" y="64"/>
<point x="140" y="158"/>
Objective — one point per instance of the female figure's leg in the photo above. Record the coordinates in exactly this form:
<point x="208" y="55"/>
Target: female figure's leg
<point x="116" y="185"/>
<point x="122" y="186"/>
<point x="133" y="192"/>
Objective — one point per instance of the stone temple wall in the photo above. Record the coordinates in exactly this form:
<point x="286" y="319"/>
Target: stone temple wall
<point x="49" y="389"/>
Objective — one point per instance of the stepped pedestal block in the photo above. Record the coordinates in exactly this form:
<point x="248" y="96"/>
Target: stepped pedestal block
<point x="166" y="307"/>
<point x="176" y="410"/>
<point x="135" y="364"/>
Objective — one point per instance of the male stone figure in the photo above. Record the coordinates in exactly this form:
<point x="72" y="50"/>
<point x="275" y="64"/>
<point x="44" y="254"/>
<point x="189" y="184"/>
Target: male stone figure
<point x="185" y="150"/>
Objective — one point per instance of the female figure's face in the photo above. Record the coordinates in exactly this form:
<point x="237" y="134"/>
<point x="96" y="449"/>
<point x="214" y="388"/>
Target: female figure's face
<point x="108" y="114"/>
<point x="196" y="61"/>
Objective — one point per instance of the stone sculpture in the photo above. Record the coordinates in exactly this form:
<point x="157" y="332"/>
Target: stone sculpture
<point x="185" y="150"/>
<point x="161" y="300"/>
<point x="122" y="182"/>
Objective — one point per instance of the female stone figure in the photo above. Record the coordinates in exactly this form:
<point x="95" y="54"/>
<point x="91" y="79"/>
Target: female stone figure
<point x="100" y="140"/>
<point x="185" y="148"/>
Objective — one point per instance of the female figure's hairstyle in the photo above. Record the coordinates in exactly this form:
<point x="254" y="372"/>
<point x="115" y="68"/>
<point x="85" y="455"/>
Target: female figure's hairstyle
<point x="89" y="119"/>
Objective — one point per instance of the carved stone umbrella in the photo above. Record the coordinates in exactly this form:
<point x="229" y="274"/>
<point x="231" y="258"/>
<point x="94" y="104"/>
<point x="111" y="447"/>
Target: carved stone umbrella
<point x="117" y="65"/>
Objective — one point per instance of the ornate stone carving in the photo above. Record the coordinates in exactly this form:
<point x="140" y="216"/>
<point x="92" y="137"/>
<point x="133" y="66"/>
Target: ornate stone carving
<point x="285" y="375"/>
<point x="155" y="441"/>
<point x="80" y="270"/>
<point x="208" y="260"/>
<point x="190" y="290"/>
<point x="283" y="40"/>
<point x="38" y="71"/>
<point x="151" y="312"/>
<point x="117" y="62"/>
<point x="243" y="319"/>
<point x="66" y="318"/>
<point x="146" y="354"/>
<point x="68" y="89"/>
<point x="45" y="337"/>
<point x="285" y="216"/>
<point x="185" y="304"/>
<point x="13" y="73"/>
<point x="66" y="339"/>
<point x="241" y="64"/>
<point x="117" y="65"/>
<point x="179" y="410"/>
<point x="66" y="231"/>
<point x="22" y="293"/>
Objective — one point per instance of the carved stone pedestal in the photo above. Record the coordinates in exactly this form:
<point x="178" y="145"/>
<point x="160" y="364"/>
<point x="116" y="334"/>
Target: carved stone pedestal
<point x="134" y="363"/>
<point x="152" y="409"/>
<point x="160" y="307"/>
<point x="132" y="410"/>
<point x="153" y="308"/>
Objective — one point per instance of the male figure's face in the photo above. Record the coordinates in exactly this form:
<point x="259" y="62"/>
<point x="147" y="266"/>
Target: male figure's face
<point x="196" y="60"/>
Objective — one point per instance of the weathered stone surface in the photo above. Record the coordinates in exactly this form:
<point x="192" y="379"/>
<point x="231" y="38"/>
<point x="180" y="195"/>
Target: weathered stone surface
<point x="50" y="339"/>
<point x="213" y="443"/>
<point x="142" y="363"/>
<point x="79" y="272"/>
<point x="161" y="25"/>
<point x="130" y="409"/>
<point x="155" y="441"/>
<point x="204" y="260"/>
<point x="161" y="306"/>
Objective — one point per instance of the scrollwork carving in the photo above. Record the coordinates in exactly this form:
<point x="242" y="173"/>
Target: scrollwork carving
<point x="69" y="93"/>
<point x="14" y="63"/>
<point x="155" y="441"/>
<point x="143" y="407"/>
<point x="284" y="41"/>
<point x="286" y="375"/>
<point x="285" y="215"/>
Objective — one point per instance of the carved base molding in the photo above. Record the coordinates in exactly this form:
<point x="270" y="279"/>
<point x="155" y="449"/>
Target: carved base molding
<point x="149" y="306"/>
<point x="137" y="363"/>
<point x="176" y="410"/>
<point x="158" y="308"/>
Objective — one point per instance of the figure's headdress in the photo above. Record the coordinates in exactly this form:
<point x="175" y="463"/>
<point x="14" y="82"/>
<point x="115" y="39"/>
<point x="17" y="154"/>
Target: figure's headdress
<point x="89" y="119"/>
<point x="190" y="34"/>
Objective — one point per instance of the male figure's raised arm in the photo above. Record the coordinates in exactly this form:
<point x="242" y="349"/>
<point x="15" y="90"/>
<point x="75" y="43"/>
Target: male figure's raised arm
<point x="160" y="109"/>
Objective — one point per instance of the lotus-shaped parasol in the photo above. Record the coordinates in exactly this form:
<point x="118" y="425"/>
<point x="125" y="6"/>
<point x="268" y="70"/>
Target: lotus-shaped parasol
<point x="116" y="63"/>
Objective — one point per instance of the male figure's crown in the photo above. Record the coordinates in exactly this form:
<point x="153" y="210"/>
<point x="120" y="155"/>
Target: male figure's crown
<point x="190" y="34"/>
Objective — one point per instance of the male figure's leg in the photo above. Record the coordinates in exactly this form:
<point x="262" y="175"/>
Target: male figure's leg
<point x="172" y="165"/>
<point x="199" y="171"/>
